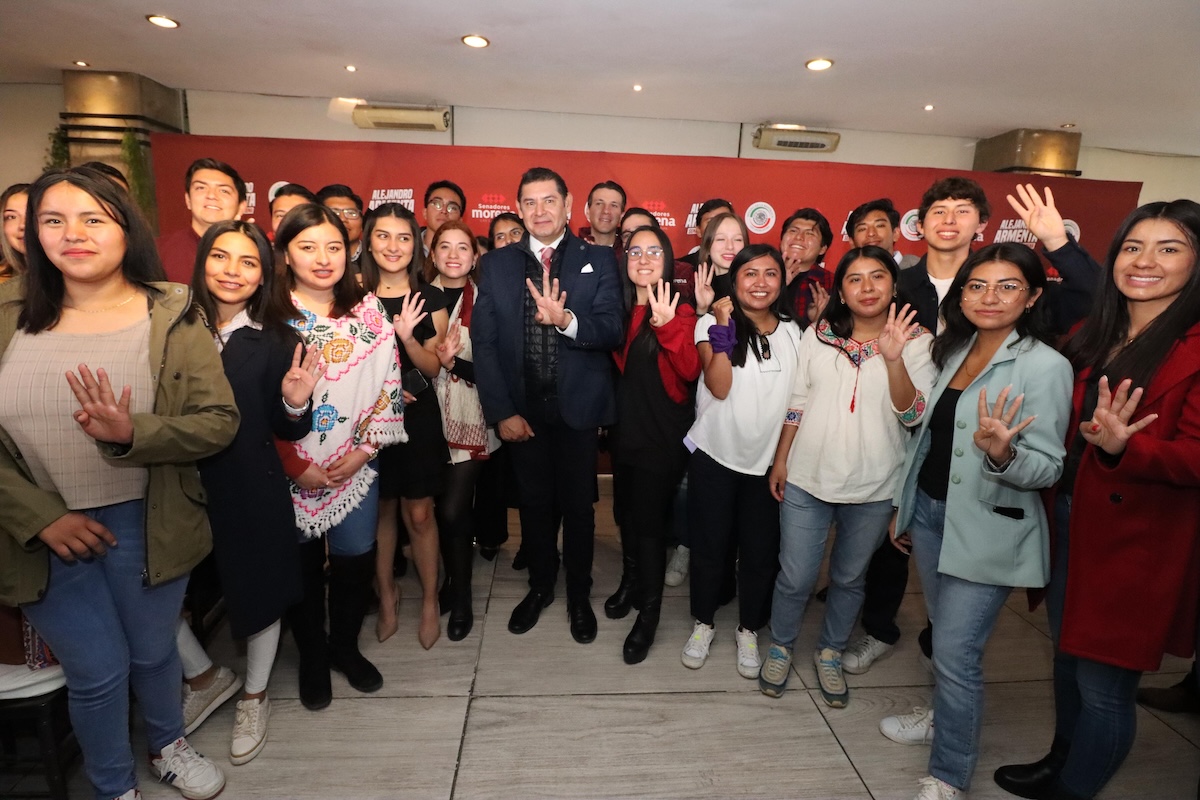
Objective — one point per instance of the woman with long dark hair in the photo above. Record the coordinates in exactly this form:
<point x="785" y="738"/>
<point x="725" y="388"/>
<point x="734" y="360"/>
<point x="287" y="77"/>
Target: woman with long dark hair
<point x="749" y="350"/>
<point x="969" y="499"/>
<point x="862" y="383"/>
<point x="255" y="545"/>
<point x="454" y="255"/>
<point x="13" y="204"/>
<point x="101" y="506"/>
<point x="1127" y="511"/>
<point x="412" y="473"/>
<point x="358" y="410"/>
<point x="659" y="365"/>
<point x="505" y="229"/>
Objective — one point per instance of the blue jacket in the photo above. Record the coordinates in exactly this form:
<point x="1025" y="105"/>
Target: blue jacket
<point x="996" y="530"/>
<point x="588" y="274"/>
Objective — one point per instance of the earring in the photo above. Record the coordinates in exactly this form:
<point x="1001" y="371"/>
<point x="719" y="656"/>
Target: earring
<point x="1028" y="308"/>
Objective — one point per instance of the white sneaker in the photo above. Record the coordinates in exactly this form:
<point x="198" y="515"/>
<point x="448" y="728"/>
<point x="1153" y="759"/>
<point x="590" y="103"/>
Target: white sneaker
<point x="914" y="728"/>
<point x="863" y="652"/>
<point x="933" y="789"/>
<point x="198" y="704"/>
<point x="749" y="661"/>
<point x="828" y="664"/>
<point x="249" y="730"/>
<point x="192" y="774"/>
<point x="132" y="794"/>
<point x="677" y="567"/>
<point x="695" y="652"/>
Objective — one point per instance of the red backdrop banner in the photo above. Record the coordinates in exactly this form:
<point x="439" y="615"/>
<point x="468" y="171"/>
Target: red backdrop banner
<point x="671" y="187"/>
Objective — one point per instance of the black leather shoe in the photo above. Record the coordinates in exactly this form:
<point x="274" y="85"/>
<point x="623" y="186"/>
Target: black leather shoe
<point x="526" y="614"/>
<point x="519" y="560"/>
<point x="623" y="599"/>
<point x="360" y="673"/>
<point x="460" y="623"/>
<point x="639" y="640"/>
<point x="583" y="621"/>
<point x="1035" y="781"/>
<point x="488" y="552"/>
<point x="316" y="689"/>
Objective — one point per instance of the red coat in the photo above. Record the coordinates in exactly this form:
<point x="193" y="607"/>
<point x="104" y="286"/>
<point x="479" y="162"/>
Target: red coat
<point x="1133" y="575"/>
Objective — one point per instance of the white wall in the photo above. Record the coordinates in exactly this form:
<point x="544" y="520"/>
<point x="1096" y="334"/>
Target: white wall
<point x="30" y="112"/>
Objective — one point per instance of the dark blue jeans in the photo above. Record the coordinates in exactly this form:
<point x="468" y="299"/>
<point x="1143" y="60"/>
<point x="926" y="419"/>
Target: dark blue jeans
<point x="112" y="631"/>
<point x="1095" y="704"/>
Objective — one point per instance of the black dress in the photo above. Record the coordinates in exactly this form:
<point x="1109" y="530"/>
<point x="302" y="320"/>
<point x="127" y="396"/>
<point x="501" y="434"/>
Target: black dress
<point x="417" y="468"/>
<point x="249" y="503"/>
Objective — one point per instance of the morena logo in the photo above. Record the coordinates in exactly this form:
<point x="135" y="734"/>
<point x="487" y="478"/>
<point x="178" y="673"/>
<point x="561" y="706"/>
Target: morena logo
<point x="760" y="217"/>
<point x="492" y="199"/>
<point x="654" y="205"/>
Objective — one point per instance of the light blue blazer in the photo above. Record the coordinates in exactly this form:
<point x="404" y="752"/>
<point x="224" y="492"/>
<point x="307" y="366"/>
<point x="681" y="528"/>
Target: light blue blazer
<point x="996" y="530"/>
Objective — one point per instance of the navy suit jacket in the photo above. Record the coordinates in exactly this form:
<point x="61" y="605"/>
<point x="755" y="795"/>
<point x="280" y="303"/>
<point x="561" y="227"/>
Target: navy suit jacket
<point x="588" y="274"/>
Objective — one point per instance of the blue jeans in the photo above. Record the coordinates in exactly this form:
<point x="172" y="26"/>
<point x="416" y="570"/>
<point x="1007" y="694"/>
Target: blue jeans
<point x="1095" y="707"/>
<point x="355" y="535"/>
<point x="963" y="613"/>
<point x="110" y="631"/>
<point x="804" y="523"/>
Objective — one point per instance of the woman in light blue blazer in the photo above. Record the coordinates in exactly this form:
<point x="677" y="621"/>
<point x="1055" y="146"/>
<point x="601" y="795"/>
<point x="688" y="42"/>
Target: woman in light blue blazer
<point x="991" y="438"/>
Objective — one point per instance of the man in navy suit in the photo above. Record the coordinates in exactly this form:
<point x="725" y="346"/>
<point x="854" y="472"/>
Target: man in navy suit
<point x="548" y="316"/>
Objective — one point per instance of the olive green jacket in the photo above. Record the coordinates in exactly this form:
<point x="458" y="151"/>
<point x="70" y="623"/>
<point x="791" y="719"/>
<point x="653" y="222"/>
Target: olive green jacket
<point x="194" y="416"/>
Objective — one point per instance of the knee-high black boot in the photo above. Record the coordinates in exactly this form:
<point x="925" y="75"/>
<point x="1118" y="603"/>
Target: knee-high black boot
<point x="307" y="620"/>
<point x="349" y="594"/>
<point x="651" y="567"/>
<point x="628" y="593"/>
<point x="446" y="549"/>
<point x="1038" y="780"/>
<point x="462" y="554"/>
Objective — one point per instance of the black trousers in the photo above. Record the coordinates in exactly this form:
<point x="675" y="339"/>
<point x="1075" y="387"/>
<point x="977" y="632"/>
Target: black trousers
<point x="724" y="508"/>
<point x="556" y="469"/>
<point x="648" y="500"/>
<point x="887" y="578"/>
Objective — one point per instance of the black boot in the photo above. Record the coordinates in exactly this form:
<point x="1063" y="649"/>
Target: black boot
<point x="628" y="593"/>
<point x="349" y="592"/>
<point x="462" y="619"/>
<point x="651" y="568"/>
<point x="446" y="550"/>
<point x="307" y="620"/>
<point x="1038" y="780"/>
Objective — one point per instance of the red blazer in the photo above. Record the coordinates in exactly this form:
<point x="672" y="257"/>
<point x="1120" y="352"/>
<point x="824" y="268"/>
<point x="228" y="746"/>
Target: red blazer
<point x="1133" y="575"/>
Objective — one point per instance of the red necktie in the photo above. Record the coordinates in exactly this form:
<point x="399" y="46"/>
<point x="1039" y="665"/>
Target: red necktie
<point x="547" y="257"/>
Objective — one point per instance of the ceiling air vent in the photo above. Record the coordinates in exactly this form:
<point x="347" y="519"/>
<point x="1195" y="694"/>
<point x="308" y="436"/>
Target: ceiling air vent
<point x="795" y="137"/>
<point x="404" y="118"/>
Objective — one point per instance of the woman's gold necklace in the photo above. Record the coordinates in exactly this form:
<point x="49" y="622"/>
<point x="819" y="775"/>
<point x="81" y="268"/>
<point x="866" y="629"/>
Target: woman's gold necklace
<point x="124" y="302"/>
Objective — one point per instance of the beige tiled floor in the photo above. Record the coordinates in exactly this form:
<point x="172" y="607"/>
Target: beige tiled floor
<point x="539" y="716"/>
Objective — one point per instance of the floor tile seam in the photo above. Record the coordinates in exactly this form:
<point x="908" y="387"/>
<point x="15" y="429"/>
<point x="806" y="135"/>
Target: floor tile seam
<point x="462" y="736"/>
<point x="836" y="738"/>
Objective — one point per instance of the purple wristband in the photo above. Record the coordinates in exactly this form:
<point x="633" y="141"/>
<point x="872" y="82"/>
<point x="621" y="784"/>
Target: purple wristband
<point x="722" y="338"/>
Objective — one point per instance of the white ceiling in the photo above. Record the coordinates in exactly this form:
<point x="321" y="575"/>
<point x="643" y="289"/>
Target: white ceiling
<point x="1128" y="74"/>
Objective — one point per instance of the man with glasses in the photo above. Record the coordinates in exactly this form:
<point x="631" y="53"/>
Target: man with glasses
<point x="444" y="202"/>
<point x="213" y="192"/>
<point x="341" y="200"/>
<point x="805" y="237"/>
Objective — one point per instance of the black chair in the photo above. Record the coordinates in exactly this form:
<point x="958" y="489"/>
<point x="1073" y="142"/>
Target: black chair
<point x="45" y="719"/>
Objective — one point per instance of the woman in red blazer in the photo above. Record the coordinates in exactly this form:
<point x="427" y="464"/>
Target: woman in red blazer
<point x="1126" y="580"/>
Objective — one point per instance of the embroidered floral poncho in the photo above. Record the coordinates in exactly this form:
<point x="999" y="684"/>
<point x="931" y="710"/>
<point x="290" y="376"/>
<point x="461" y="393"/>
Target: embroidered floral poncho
<point x="358" y="400"/>
<point x="851" y="442"/>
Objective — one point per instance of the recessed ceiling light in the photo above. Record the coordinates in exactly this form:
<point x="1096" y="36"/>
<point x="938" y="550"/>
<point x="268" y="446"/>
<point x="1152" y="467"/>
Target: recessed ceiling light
<point x="637" y="87"/>
<point x="1067" y="125"/>
<point x="351" y="68"/>
<point x="475" y="40"/>
<point x="82" y="64"/>
<point x="818" y="64"/>
<point x="929" y="106"/>
<point x="161" y="21"/>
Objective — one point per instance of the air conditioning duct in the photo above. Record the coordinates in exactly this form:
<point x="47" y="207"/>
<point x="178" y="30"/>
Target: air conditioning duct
<point x="797" y="138"/>
<point x="405" y="118"/>
<point x="1029" y="151"/>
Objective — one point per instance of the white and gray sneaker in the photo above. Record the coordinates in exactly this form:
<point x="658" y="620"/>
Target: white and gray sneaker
<point x="934" y="789"/>
<point x="677" y="567"/>
<point x="695" y="652"/>
<point x="749" y="660"/>
<point x="828" y="664"/>
<point x="132" y="794"/>
<point x="249" y="730"/>
<point x="195" y="776"/>
<point x="863" y="652"/>
<point x="198" y="704"/>
<point x="914" y="728"/>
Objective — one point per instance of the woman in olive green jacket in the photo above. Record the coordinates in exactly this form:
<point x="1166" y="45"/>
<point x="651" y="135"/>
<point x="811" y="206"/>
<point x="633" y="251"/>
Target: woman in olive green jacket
<point x="101" y="508"/>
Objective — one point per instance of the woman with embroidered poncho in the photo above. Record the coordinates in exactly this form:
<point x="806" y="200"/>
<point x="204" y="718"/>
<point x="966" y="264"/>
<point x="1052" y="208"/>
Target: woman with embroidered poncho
<point x="357" y="409"/>
<point x="863" y="377"/>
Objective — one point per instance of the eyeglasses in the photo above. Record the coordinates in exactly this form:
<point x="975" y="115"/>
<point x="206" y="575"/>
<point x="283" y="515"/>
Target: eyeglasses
<point x="653" y="252"/>
<point x="442" y="205"/>
<point x="1005" y="292"/>
<point x="346" y="213"/>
